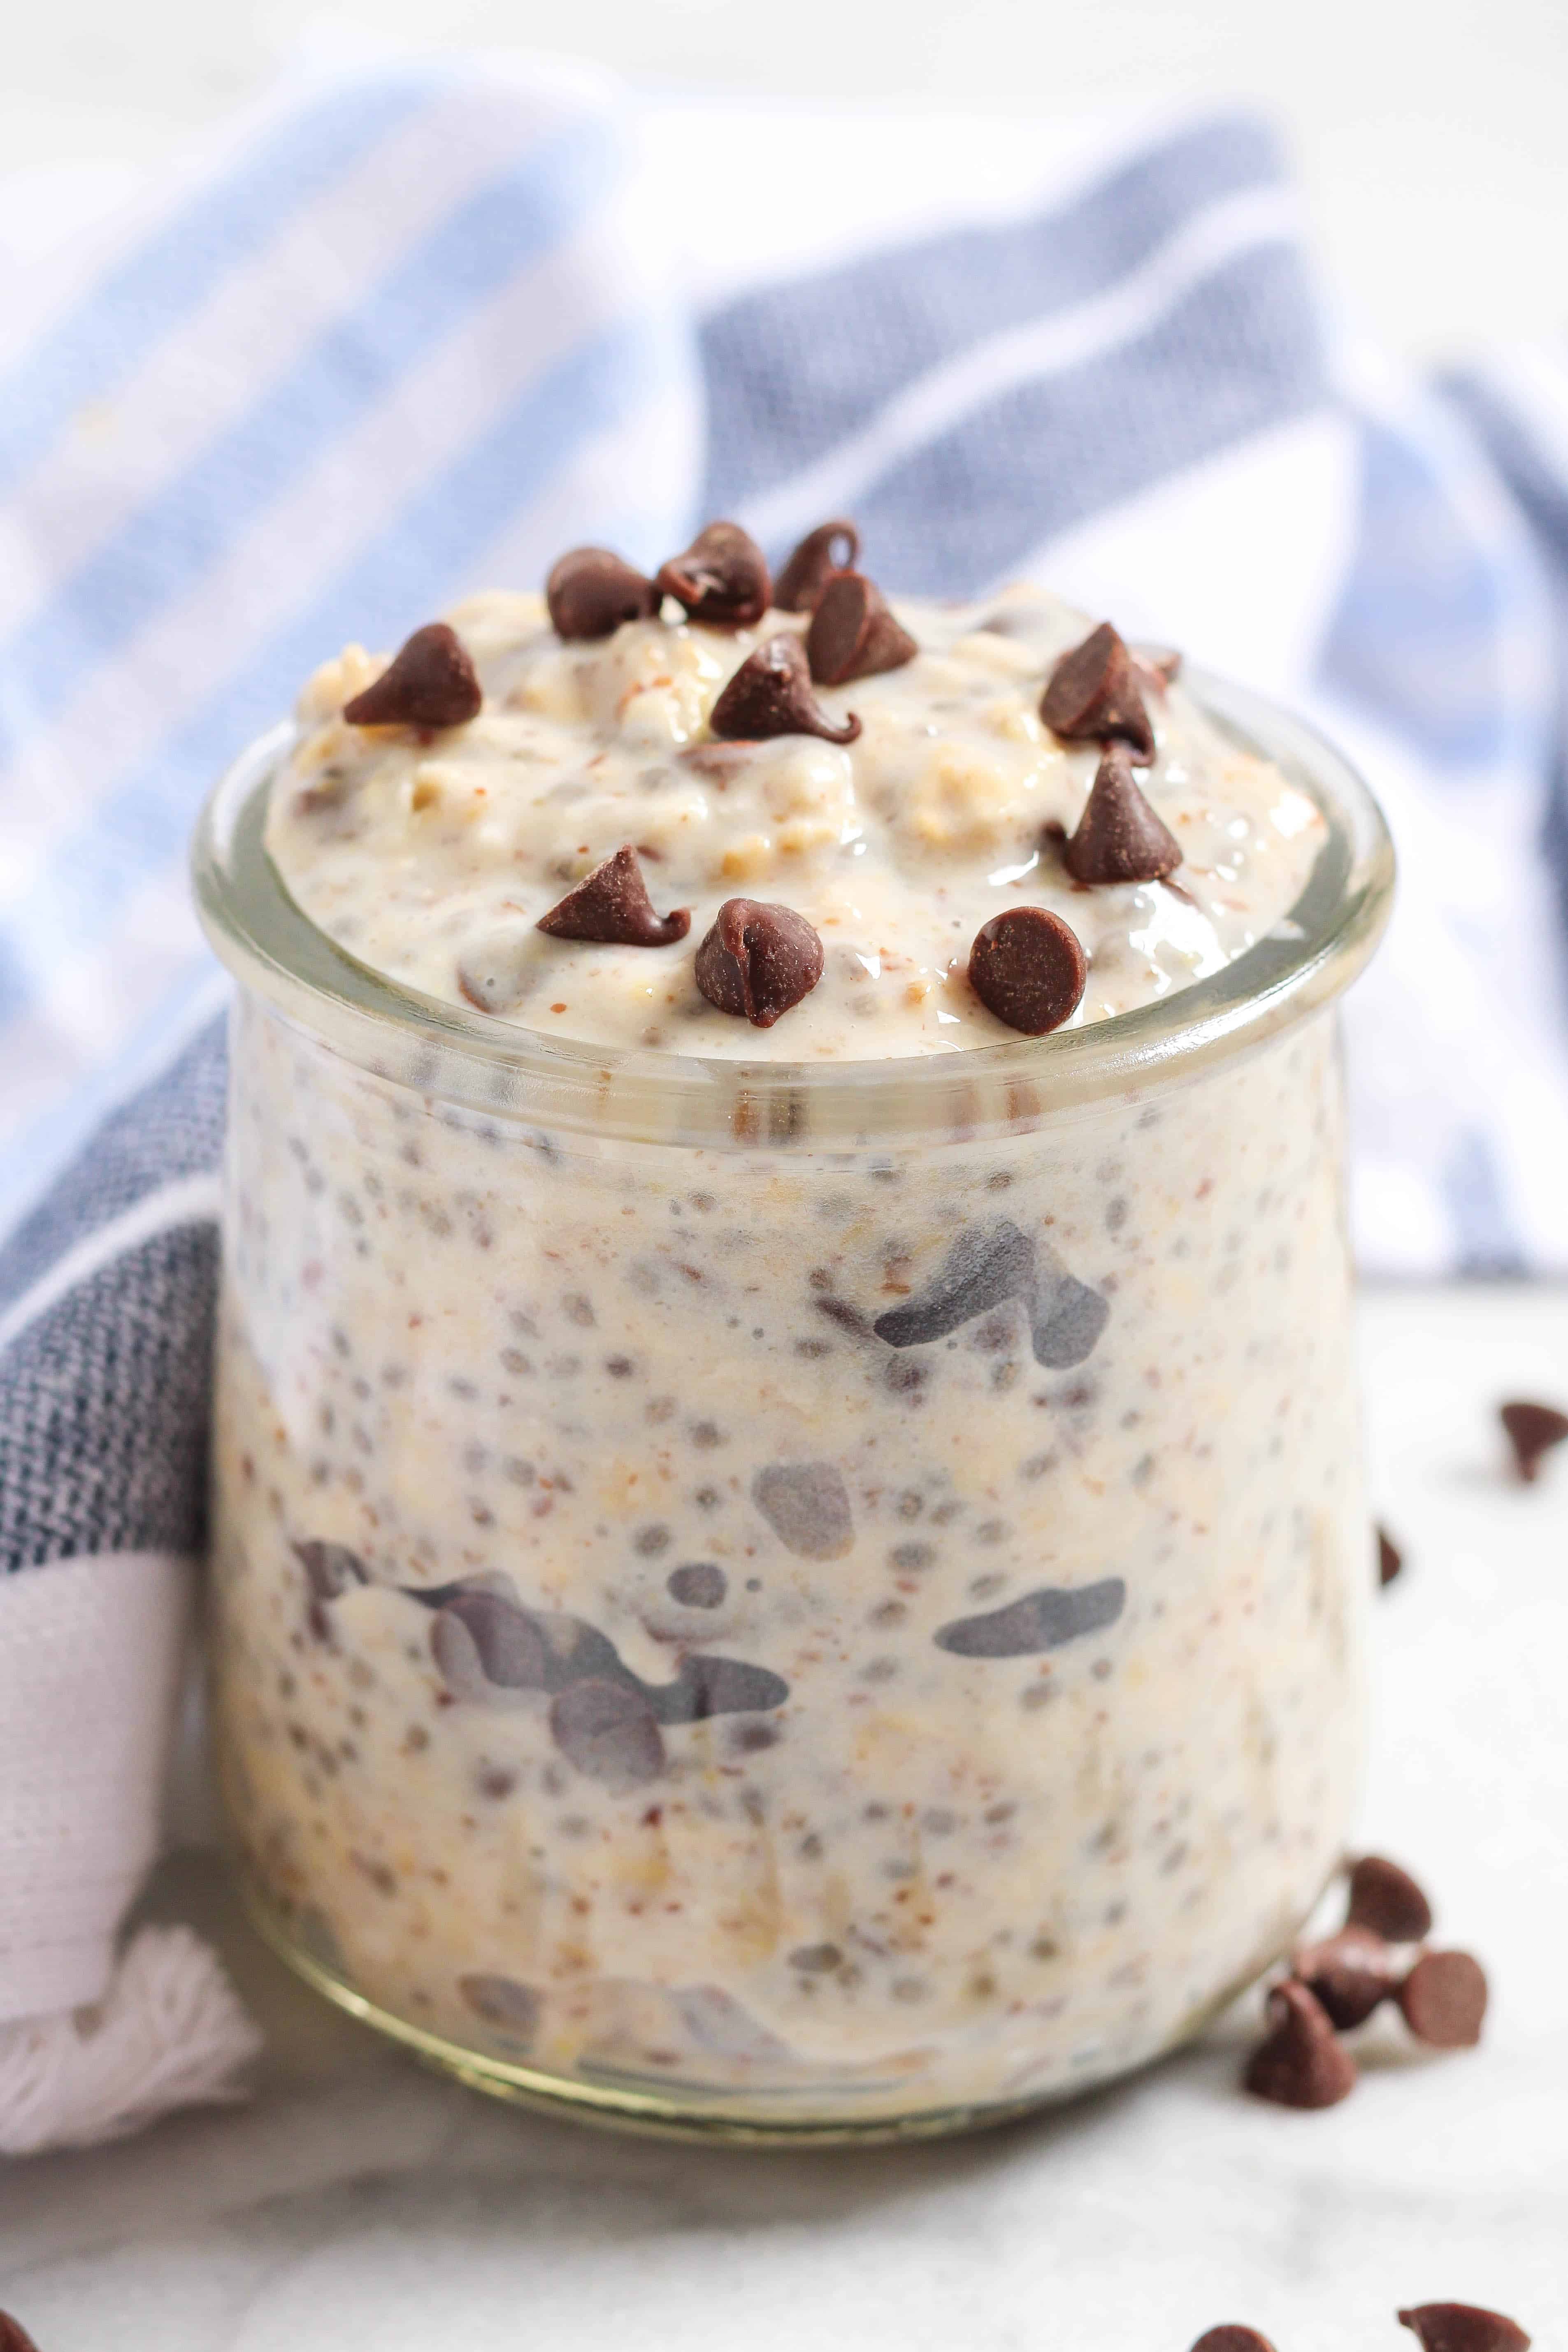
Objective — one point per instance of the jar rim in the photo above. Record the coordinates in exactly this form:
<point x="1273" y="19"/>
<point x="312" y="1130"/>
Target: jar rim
<point x="499" y="1068"/>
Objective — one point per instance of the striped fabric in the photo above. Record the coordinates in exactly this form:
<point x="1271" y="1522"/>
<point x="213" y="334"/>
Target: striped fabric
<point x="407" y="334"/>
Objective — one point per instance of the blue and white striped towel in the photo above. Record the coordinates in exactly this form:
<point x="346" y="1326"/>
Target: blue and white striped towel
<point x="412" y="331"/>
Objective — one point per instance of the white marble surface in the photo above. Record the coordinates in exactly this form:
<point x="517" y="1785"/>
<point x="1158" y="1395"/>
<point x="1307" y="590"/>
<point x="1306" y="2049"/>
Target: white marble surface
<point x="357" y="2201"/>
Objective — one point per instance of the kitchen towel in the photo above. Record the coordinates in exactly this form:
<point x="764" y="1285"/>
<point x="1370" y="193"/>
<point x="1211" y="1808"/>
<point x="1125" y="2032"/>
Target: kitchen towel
<point x="417" y="327"/>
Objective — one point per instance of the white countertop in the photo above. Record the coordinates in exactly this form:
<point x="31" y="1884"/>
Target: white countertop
<point x="358" y="2202"/>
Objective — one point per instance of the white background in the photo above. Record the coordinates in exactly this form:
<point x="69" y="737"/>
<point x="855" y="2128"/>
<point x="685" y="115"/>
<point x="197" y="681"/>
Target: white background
<point x="1430" y="133"/>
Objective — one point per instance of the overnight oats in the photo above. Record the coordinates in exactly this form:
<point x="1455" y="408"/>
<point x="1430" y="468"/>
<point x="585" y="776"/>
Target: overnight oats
<point x="790" y="1553"/>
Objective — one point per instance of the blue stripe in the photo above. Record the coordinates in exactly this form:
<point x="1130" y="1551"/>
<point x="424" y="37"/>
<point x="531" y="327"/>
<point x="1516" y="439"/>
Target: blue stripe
<point x="133" y="305"/>
<point x="163" y="550"/>
<point x="418" y="561"/>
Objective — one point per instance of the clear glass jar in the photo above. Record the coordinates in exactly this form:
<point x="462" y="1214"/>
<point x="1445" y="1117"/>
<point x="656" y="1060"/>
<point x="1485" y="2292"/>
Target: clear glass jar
<point x="795" y="1602"/>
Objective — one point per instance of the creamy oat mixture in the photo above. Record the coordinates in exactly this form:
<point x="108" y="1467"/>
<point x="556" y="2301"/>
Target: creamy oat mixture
<point x="830" y="1636"/>
<point x="432" y="860"/>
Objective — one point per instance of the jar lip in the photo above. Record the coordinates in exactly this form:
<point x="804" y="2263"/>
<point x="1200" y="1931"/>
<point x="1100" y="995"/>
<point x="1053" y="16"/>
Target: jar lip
<point x="501" y="1069"/>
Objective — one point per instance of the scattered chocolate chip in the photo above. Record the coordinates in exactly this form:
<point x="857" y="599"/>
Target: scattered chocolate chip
<point x="430" y="682"/>
<point x="330" y="1568"/>
<point x="1037" y="1622"/>
<point x="1348" y="1974"/>
<point x="1532" y="1430"/>
<point x="708" y="1687"/>
<point x="1093" y="693"/>
<point x="817" y="1959"/>
<point x="481" y="1640"/>
<point x="1390" y="1559"/>
<point x="13" y="2336"/>
<point x="1028" y="969"/>
<point x="609" y="1732"/>
<point x="501" y="2001"/>
<point x="721" y="579"/>
<point x="700" y="1585"/>
<point x="1444" y="2000"/>
<point x="590" y="592"/>
<point x="985" y="1265"/>
<point x="853" y="633"/>
<point x="1300" y="2064"/>
<point x="1463" y="2327"/>
<point x="806" y="1505"/>
<point x="1120" y="838"/>
<point x="771" y="693"/>
<point x="812" y="565"/>
<point x="1232" y="2338"/>
<point x="1387" y="1900"/>
<point x="612" y="905"/>
<point x="1066" y="1319"/>
<point x="758" y="960"/>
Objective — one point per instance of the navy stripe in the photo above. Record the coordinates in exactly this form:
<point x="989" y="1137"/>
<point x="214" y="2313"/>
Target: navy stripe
<point x="1238" y="353"/>
<point x="419" y="560"/>
<point x="133" y="305"/>
<point x="796" y="369"/>
<point x="163" y="550"/>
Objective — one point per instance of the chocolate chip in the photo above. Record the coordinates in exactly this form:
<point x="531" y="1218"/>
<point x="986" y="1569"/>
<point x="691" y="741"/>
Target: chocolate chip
<point x="817" y="1959"/>
<point x="1444" y="2000"/>
<point x="612" y="905"/>
<point x="1037" y="1622"/>
<point x="430" y="682"/>
<point x="1093" y="693"/>
<point x="1120" y="838"/>
<point x="721" y="579"/>
<point x="708" y="1687"/>
<point x="701" y="1585"/>
<point x="608" y="1731"/>
<point x="758" y="960"/>
<point x="1390" y="1559"/>
<point x="1028" y="969"/>
<point x="771" y="693"/>
<point x="1348" y="1974"/>
<point x="807" y="1506"/>
<point x="330" y="1568"/>
<point x="483" y="1630"/>
<point x="1463" y="2327"/>
<point x="1066" y="1319"/>
<point x="985" y="1265"/>
<point x="499" y="2001"/>
<point x="1300" y="2064"/>
<point x="13" y="2336"/>
<point x="496" y="970"/>
<point x="1387" y="1900"/>
<point x="1532" y="1430"/>
<point x="1232" y="2338"/>
<point x="590" y="592"/>
<point x="812" y="566"/>
<point x="853" y="633"/>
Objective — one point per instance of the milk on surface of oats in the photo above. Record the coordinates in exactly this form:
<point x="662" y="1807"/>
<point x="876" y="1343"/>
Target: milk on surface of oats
<point x="433" y="861"/>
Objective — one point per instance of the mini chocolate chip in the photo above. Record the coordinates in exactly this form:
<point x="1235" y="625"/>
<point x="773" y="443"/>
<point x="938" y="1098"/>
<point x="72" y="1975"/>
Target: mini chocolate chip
<point x="1028" y="969"/>
<point x="1066" y="1319"/>
<point x="1387" y="1900"/>
<point x="611" y="904"/>
<point x="1300" y="2064"/>
<point x="985" y="1265"/>
<point x="853" y="633"/>
<point x="482" y="1641"/>
<point x="1093" y="693"/>
<point x="721" y="579"/>
<point x="817" y="1959"/>
<point x="430" y="682"/>
<point x="501" y="2001"/>
<point x="590" y="592"/>
<point x="1348" y="1974"/>
<point x="700" y="1585"/>
<point x="1533" y="1430"/>
<point x="608" y="1731"/>
<point x="812" y="565"/>
<point x="1390" y="1559"/>
<point x="1120" y="838"/>
<point x="13" y="2336"/>
<point x="1037" y="1620"/>
<point x="806" y="1505"/>
<point x="330" y="1568"/>
<point x="758" y="960"/>
<point x="1232" y="2338"/>
<point x="771" y="693"/>
<point x="707" y="1687"/>
<point x="1444" y="2000"/>
<point x="1463" y="2327"/>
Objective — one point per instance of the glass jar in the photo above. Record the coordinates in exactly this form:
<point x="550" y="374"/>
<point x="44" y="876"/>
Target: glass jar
<point x="790" y="1602"/>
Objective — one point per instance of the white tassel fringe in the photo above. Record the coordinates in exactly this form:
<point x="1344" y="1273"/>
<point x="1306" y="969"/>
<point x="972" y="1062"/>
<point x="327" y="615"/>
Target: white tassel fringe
<point x="170" y="2032"/>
